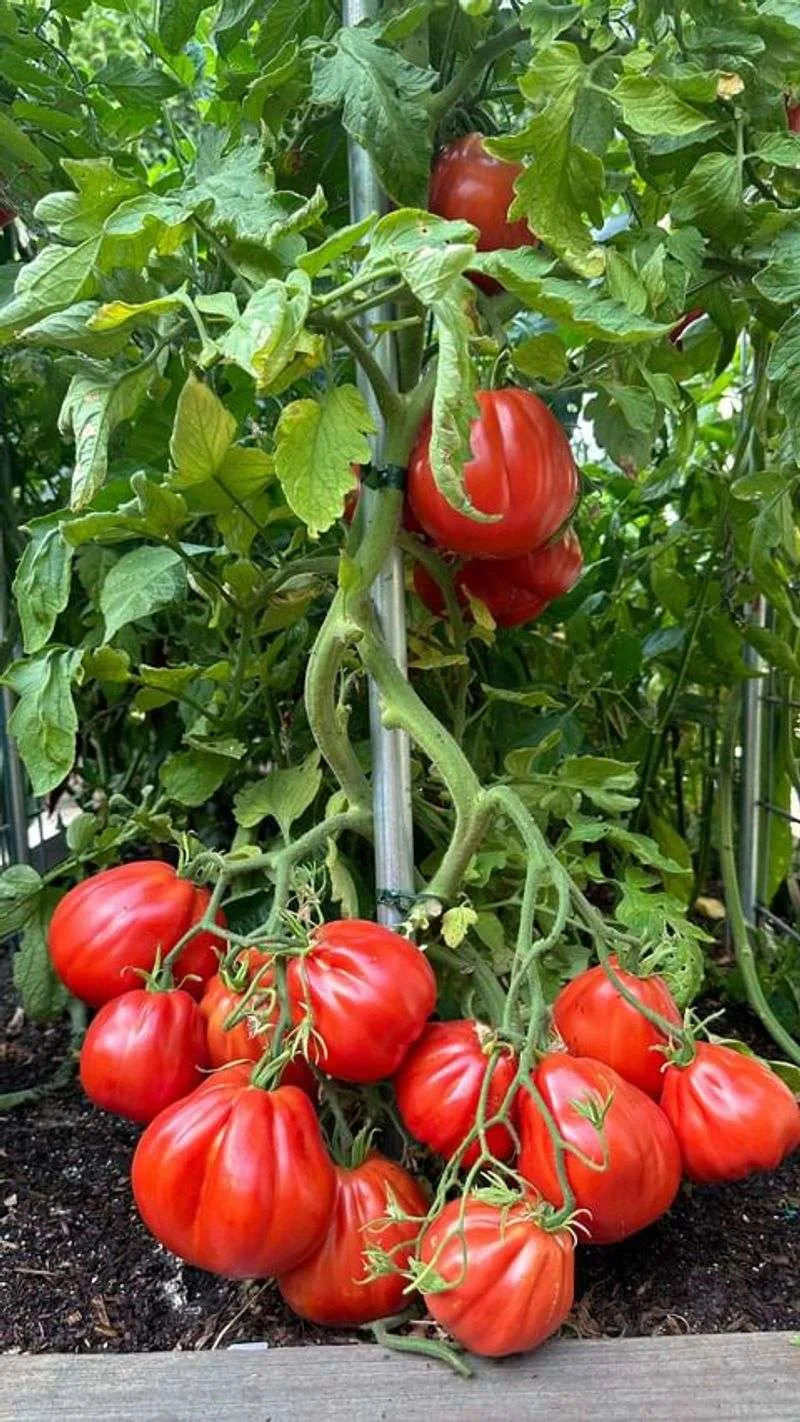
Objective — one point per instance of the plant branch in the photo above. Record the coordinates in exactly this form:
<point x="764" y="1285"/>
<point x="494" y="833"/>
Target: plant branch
<point x="473" y="70"/>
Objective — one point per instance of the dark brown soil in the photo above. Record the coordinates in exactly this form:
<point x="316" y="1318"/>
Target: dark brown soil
<point x="78" y="1271"/>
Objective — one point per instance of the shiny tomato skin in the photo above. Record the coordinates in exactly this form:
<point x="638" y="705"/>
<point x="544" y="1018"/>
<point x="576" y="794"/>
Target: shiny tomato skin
<point x="467" y="183"/>
<point x="246" y="1040"/>
<point x="369" y="993"/>
<point x="235" y="1179"/>
<point x="438" y="1088"/>
<point x="330" y="1286"/>
<point x="116" y="922"/>
<point x="643" y="1172"/>
<point x="595" y="1021"/>
<point x="513" y="1281"/>
<point x="552" y="571"/>
<point x="521" y="469"/>
<point x="731" y="1114"/>
<point x="143" y="1051"/>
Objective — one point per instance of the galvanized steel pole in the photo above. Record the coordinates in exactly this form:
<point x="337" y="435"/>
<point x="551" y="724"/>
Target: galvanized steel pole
<point x="391" y="761"/>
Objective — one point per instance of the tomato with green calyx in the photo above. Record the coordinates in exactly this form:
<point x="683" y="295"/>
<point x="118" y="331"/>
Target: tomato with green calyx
<point x="109" y="930"/>
<point x="594" y="1020"/>
<point x="631" y="1166"/>
<point x="439" y="1085"/>
<point x="236" y="1179"/>
<point x="248" y="1039"/>
<point x="143" y="1051"/>
<point x="334" y="1285"/>
<point x="731" y="1114"/>
<point x="365" y="994"/>
<point x="522" y="472"/>
<point x="511" y="1280"/>
<point x="468" y="184"/>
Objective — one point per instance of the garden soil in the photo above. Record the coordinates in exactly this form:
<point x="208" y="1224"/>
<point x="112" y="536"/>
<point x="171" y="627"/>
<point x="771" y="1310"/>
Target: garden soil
<point x="79" y="1272"/>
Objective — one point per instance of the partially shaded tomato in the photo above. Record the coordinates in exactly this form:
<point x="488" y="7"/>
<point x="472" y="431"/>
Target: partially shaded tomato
<point x="793" y="116"/>
<point x="143" y="1051"/>
<point x="438" y="1088"/>
<point x="118" y="921"/>
<point x="521" y="470"/>
<point x="730" y="1113"/>
<point x="248" y="1039"/>
<point x="332" y="1286"/>
<point x="512" y="1281"/>
<point x="635" y="1167"/>
<point x="678" y="330"/>
<point x="596" y="1021"/>
<point x="467" y="183"/>
<point x="236" y="1179"/>
<point x="367" y="992"/>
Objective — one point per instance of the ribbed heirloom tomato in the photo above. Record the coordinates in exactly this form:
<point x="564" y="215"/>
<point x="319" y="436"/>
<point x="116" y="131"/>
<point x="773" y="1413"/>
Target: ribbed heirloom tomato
<point x="438" y="1088"/>
<point x="367" y="992"/>
<point x="248" y="1039"/>
<point x="332" y="1286"/>
<point x="515" y="590"/>
<point x="468" y="183"/>
<point x="521" y="470"/>
<point x="512" y="1281"/>
<point x="632" y="1139"/>
<point x="236" y="1179"/>
<point x="595" y="1021"/>
<point x="117" y="921"/>
<point x="143" y="1051"/>
<point x="730" y="1113"/>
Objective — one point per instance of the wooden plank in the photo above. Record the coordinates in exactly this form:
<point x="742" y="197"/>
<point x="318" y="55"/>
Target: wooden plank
<point x="747" y="1377"/>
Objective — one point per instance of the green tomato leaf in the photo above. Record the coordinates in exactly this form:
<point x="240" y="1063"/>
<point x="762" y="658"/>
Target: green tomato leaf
<point x="97" y="401"/>
<point x="69" y="330"/>
<point x="41" y="584"/>
<point x="20" y="887"/>
<point x="202" y="434"/>
<point x="711" y="197"/>
<point x="139" y="584"/>
<point x="316" y="443"/>
<point x="176" y="21"/>
<point x="44" y="722"/>
<point x="99" y="191"/>
<point x="42" y="996"/>
<point x="283" y="794"/>
<point x="58" y="276"/>
<point x="651" y="107"/>
<point x="384" y="108"/>
<point x="267" y="335"/>
<point x="320" y="258"/>
<point x="454" y="403"/>
<point x="192" y="776"/>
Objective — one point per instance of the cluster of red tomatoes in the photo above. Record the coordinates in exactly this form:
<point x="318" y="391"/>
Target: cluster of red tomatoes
<point x="233" y="1174"/>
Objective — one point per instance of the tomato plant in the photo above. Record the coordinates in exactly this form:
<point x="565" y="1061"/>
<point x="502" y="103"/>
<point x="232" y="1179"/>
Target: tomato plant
<point x="521" y="473"/>
<point x="596" y="1021"/>
<point x="236" y="1179"/>
<point x="625" y="1169"/>
<point x="359" y="972"/>
<point x="110" y="929"/>
<point x="250" y="1037"/>
<point x="730" y="1113"/>
<point x="510" y="1281"/>
<point x="143" y="1051"/>
<point x="439" y="1085"/>
<point x="335" y="1285"/>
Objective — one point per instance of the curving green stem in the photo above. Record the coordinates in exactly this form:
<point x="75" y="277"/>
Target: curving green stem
<point x="322" y="674"/>
<point x="740" y="933"/>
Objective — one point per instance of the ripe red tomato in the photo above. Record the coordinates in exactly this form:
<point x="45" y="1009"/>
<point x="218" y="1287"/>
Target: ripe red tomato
<point x="596" y="1021"/>
<point x="793" y="116"/>
<point x="369" y="993"/>
<point x="515" y="590"/>
<point x="730" y="1113"/>
<point x="143" y="1051"/>
<point x="643" y="1169"/>
<point x="467" y="183"/>
<point x="249" y="1039"/>
<point x="116" y="922"/>
<point x="677" y="332"/>
<point x="521" y="469"/>
<point x="438" y="1088"/>
<point x="331" y="1286"/>
<point x="512" y="1280"/>
<point x="236" y="1179"/>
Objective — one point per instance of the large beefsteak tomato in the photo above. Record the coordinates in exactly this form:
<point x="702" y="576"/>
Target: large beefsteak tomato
<point x="367" y="993"/>
<point x="143" y="1051"/>
<point x="634" y="1167"/>
<point x="236" y="1179"/>
<point x="333" y="1286"/>
<point x="731" y="1114"/>
<point x="511" y="1280"/>
<point x="521" y="470"/>
<point x="119" y="921"/>
<point x="596" y="1021"/>
<point x="438" y="1088"/>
